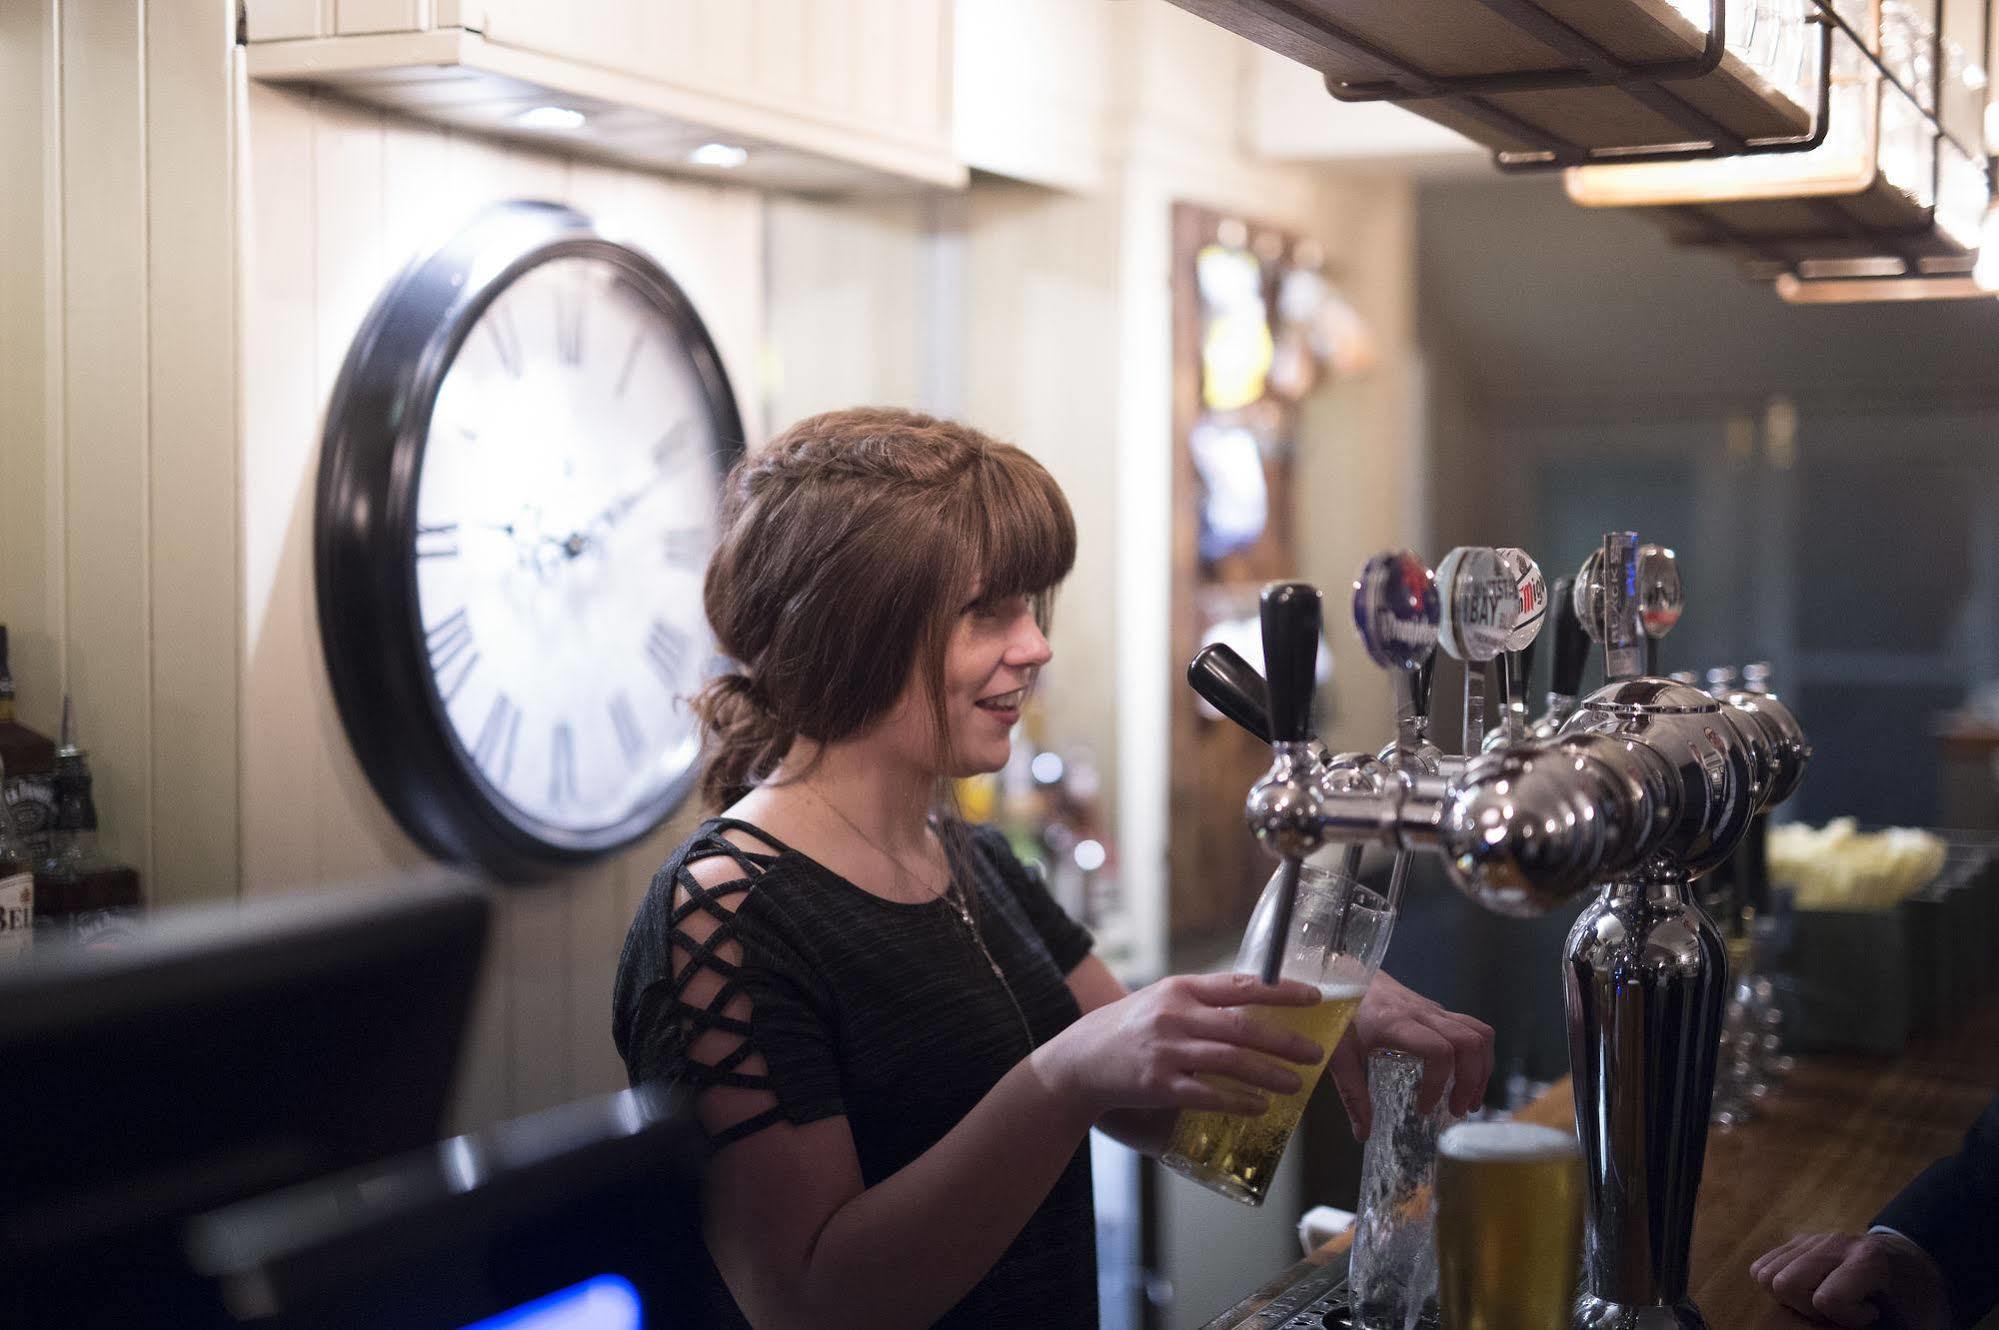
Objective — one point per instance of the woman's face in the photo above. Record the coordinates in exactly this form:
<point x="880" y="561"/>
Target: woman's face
<point x="995" y="650"/>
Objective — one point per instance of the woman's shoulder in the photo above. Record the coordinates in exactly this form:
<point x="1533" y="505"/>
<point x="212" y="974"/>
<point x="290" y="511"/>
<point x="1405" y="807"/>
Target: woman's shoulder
<point x="721" y="857"/>
<point x="714" y="891"/>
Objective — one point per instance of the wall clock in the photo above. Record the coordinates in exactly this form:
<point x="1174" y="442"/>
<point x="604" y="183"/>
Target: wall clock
<point x="517" y="497"/>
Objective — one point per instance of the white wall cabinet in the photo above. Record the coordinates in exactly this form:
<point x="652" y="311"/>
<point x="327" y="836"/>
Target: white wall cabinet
<point x="828" y="95"/>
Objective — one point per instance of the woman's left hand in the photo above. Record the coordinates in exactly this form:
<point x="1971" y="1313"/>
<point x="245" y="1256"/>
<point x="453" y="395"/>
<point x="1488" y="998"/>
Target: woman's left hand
<point x="1453" y="1046"/>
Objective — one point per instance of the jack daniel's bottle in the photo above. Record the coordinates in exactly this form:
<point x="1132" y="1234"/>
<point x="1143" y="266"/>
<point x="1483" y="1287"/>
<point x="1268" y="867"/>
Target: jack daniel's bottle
<point x="78" y="893"/>
<point x="30" y="759"/>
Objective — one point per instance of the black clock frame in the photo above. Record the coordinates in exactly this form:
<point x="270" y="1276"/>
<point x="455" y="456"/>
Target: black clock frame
<point x="364" y="529"/>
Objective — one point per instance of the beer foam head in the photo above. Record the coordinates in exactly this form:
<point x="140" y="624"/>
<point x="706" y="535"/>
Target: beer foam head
<point x="1334" y="988"/>
<point x="1505" y="1142"/>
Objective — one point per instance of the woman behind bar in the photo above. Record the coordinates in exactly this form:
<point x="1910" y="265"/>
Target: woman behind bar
<point x="899" y="1039"/>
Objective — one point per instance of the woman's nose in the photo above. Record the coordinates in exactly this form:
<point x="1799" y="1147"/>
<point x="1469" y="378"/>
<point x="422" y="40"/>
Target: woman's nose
<point x="1029" y="645"/>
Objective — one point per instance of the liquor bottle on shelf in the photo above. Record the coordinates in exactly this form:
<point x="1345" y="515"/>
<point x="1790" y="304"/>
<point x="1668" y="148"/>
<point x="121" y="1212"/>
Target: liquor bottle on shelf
<point x="30" y="758"/>
<point x="17" y="893"/>
<point x="80" y="895"/>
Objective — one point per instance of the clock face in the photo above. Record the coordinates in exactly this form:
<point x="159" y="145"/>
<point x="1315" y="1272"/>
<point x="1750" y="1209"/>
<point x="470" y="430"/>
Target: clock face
<point x="564" y="512"/>
<point x="517" y="498"/>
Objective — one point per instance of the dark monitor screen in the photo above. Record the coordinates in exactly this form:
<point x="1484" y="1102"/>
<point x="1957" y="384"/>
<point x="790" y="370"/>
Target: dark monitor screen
<point x="583" y="1217"/>
<point x="220" y="1053"/>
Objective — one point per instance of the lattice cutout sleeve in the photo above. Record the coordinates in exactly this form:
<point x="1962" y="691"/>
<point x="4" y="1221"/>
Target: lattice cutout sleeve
<point x="732" y="1014"/>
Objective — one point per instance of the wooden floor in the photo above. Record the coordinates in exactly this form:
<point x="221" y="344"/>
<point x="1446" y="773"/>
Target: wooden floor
<point x="1824" y="1153"/>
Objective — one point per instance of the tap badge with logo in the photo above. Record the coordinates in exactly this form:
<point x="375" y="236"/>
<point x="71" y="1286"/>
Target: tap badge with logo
<point x="1395" y="609"/>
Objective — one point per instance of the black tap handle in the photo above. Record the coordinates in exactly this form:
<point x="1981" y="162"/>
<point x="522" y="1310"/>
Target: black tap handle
<point x="1231" y="686"/>
<point x="1422" y="676"/>
<point x="1523" y="670"/>
<point x="1572" y="643"/>
<point x="1291" y="618"/>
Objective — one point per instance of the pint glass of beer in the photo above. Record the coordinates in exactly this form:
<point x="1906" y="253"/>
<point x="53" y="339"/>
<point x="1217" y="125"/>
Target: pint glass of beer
<point x="1509" y="1226"/>
<point x="1339" y="929"/>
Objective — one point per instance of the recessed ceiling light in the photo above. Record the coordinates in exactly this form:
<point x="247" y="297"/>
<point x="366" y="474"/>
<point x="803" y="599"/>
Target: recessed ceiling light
<point x="719" y="154"/>
<point x="550" y="117"/>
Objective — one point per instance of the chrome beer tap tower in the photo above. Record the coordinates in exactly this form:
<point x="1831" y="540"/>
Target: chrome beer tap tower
<point x="1646" y="785"/>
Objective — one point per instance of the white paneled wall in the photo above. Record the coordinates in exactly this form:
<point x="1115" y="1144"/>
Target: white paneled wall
<point x="117" y="441"/>
<point x="338" y="199"/>
<point x="847" y="312"/>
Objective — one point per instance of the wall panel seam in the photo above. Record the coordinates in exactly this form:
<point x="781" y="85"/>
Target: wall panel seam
<point x="145" y="379"/>
<point x="306" y="587"/>
<point x="55" y="333"/>
<point x="239" y="191"/>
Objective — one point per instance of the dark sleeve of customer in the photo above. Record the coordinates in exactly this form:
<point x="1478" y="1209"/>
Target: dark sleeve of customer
<point x="1951" y="1211"/>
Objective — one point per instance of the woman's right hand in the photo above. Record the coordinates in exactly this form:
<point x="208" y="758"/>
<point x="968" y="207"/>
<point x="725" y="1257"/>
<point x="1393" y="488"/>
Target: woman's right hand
<point x="1151" y="1048"/>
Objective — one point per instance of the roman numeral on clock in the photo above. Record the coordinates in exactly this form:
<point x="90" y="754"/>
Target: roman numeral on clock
<point x="495" y="743"/>
<point x="685" y="546"/>
<point x="562" y="765"/>
<point x="452" y="653"/>
<point x="506" y="339"/>
<point x="666" y="652"/>
<point x="672" y="443"/>
<point x="569" y="308"/>
<point x="631" y="360"/>
<point x="626" y="723"/>
<point x="437" y="540"/>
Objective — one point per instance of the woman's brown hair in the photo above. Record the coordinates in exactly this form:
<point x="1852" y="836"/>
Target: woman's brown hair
<point x="849" y="545"/>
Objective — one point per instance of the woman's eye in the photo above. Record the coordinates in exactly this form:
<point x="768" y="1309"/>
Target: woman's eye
<point x="1007" y="607"/>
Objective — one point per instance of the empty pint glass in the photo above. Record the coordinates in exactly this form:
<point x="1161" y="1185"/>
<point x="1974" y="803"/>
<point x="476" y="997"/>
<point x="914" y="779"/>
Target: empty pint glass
<point x="1394" y="1267"/>
<point x="1338" y="932"/>
<point x="1509" y="1226"/>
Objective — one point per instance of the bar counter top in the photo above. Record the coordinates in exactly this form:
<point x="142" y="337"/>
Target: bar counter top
<point x="1824" y="1153"/>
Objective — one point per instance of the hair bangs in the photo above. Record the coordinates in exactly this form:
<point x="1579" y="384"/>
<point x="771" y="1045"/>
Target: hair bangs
<point x="1022" y="534"/>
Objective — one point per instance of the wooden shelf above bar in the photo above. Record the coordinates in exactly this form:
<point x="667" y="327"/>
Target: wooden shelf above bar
<point x="1464" y="38"/>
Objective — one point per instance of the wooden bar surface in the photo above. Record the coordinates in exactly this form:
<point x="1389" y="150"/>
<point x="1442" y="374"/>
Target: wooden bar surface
<point x="1825" y="1152"/>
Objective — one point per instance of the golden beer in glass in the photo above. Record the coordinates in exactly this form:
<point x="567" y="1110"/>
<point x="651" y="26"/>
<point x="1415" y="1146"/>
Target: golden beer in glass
<point x="1338" y="931"/>
<point x="1509" y="1226"/>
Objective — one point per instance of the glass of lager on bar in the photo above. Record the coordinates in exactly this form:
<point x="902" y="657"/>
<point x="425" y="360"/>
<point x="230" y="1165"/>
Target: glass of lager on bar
<point x="1509" y="1226"/>
<point x="1339" y="929"/>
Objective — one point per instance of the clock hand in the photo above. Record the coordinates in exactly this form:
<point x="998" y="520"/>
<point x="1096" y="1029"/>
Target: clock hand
<point x="624" y="503"/>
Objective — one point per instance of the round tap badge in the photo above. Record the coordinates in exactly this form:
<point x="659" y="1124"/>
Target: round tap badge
<point x="1587" y="596"/>
<point x="1530" y="592"/>
<point x="1481" y="602"/>
<point x="1395" y="610"/>
<point x="1660" y="595"/>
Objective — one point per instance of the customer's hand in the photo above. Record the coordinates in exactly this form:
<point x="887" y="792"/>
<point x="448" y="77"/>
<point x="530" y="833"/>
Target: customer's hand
<point x="1857" y="1279"/>
<point x="1453" y="1046"/>
<point x="1153" y="1048"/>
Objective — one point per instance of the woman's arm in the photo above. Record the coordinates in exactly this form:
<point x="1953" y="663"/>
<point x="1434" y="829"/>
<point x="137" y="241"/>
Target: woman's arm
<point x="802" y="1244"/>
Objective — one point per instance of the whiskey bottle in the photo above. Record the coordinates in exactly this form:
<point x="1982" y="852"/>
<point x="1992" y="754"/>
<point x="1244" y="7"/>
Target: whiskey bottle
<point x="80" y="896"/>
<point x="17" y="894"/>
<point x="30" y="759"/>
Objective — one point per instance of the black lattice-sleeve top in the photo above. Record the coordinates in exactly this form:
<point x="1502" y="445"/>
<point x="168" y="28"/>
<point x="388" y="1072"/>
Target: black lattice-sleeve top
<point x="882" y="1012"/>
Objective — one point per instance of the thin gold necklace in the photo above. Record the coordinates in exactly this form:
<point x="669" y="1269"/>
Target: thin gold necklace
<point x="950" y="897"/>
<point x="877" y="847"/>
